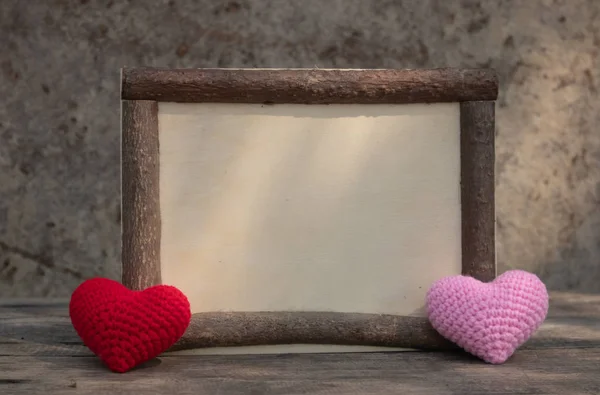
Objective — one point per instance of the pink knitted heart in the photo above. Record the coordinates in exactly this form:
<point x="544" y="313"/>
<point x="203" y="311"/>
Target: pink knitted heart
<point x="488" y="320"/>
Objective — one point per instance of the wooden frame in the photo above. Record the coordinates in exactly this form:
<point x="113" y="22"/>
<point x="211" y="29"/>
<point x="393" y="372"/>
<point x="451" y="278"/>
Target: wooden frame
<point x="475" y="90"/>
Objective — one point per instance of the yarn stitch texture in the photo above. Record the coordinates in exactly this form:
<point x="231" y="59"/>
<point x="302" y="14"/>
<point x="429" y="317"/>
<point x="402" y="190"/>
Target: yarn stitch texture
<point x="125" y="328"/>
<point x="488" y="320"/>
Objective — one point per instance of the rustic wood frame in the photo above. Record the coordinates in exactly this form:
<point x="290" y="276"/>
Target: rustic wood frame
<point x="142" y="88"/>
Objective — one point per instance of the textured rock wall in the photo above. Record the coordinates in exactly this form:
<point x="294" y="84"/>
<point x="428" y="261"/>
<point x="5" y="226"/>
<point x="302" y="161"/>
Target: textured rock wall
<point x="59" y="118"/>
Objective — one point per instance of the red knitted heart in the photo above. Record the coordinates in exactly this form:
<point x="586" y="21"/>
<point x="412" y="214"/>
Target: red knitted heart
<point x="126" y="328"/>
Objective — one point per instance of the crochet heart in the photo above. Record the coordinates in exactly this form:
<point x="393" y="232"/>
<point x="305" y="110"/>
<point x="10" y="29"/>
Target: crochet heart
<point x="126" y="328"/>
<point x="488" y="320"/>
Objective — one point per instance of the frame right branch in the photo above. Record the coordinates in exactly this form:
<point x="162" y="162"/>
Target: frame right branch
<point x="477" y="137"/>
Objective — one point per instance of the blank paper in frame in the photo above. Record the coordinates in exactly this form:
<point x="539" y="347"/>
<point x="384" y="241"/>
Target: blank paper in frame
<point x="291" y="207"/>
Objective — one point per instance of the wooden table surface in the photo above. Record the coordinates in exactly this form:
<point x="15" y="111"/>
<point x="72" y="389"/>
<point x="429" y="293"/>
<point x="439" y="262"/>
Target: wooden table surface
<point x="40" y="353"/>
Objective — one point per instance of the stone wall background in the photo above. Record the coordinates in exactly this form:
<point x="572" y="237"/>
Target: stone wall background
<point x="59" y="111"/>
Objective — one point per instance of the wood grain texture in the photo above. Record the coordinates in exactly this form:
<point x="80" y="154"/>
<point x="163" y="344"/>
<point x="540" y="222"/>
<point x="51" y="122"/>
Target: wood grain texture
<point x="573" y="322"/>
<point x="140" y="190"/>
<point x="547" y="372"/>
<point x="309" y="86"/>
<point x="477" y="189"/>
<point x="273" y="328"/>
<point x="40" y="353"/>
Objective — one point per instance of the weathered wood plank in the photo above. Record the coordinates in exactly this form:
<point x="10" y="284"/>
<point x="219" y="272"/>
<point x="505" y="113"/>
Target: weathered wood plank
<point x="40" y="353"/>
<point x="572" y="372"/>
<point x="36" y="337"/>
<point x="44" y="328"/>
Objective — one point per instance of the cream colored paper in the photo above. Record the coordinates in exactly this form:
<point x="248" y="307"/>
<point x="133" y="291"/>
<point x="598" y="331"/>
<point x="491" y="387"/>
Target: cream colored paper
<point x="346" y="208"/>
